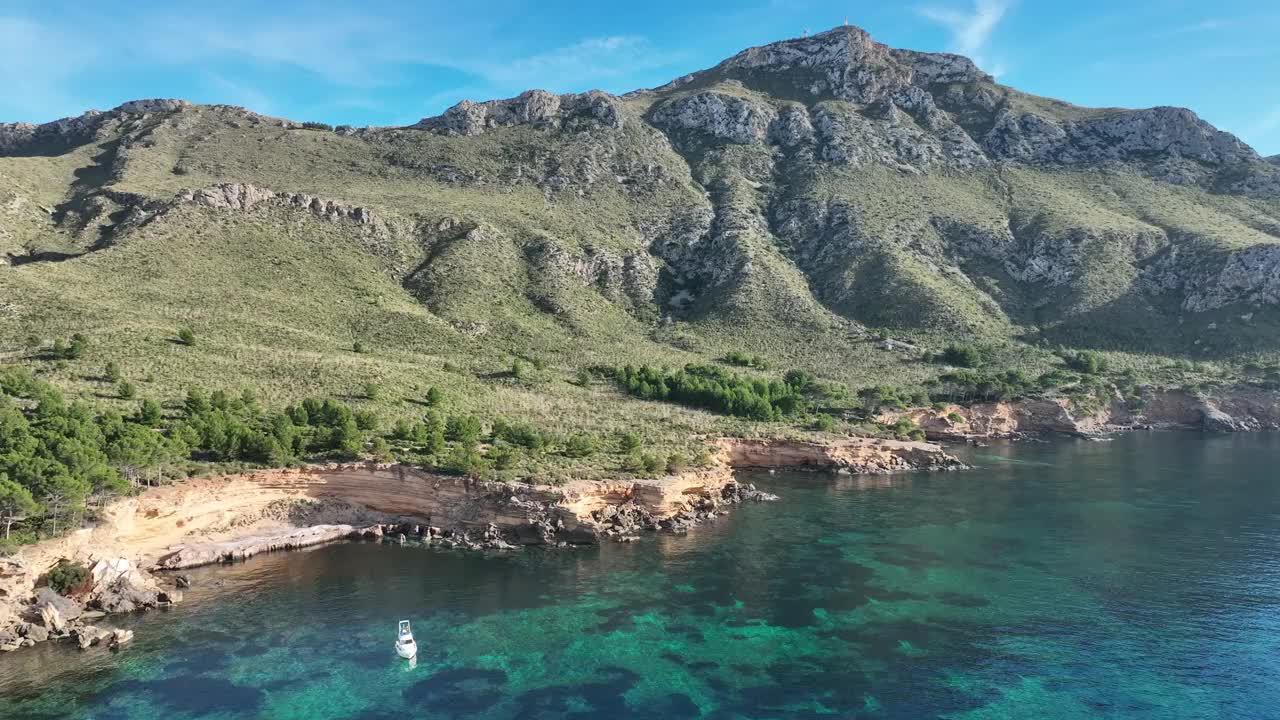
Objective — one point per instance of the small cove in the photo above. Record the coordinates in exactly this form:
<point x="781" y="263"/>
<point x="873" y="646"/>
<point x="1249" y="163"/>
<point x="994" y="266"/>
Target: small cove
<point x="1138" y="578"/>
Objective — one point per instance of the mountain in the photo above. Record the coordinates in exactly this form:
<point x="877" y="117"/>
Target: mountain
<point x="794" y="200"/>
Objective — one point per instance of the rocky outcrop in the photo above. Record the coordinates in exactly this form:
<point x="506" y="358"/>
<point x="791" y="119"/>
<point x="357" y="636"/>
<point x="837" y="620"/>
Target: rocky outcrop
<point x="197" y="554"/>
<point x="629" y="276"/>
<point x="127" y="594"/>
<point x="1228" y="410"/>
<point x="1250" y="277"/>
<point x="862" y="456"/>
<point x="1032" y="416"/>
<point x="846" y="137"/>
<point x="919" y="111"/>
<point x="845" y="63"/>
<point x="1126" y="135"/>
<point x="41" y="614"/>
<point x="16" y="137"/>
<point x="52" y="612"/>
<point x="242" y="196"/>
<point x="535" y="108"/>
<point x="1235" y="410"/>
<point x="717" y="115"/>
<point x="917" y="139"/>
<point x="151" y="105"/>
<point x="378" y="233"/>
<point x="19" y="137"/>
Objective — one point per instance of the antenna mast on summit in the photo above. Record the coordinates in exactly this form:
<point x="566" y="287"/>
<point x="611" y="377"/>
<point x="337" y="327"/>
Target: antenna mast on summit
<point x="846" y="21"/>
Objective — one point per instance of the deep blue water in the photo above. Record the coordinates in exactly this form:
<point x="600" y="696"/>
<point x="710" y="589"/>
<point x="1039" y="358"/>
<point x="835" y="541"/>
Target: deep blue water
<point x="1133" y="579"/>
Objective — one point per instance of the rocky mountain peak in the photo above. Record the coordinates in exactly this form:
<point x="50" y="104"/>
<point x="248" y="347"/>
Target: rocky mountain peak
<point x="151" y="105"/>
<point x="80" y="128"/>
<point x="918" y="112"/>
<point x="844" y="63"/>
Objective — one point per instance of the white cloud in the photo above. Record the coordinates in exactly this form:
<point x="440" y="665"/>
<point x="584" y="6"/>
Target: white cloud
<point x="345" y="50"/>
<point x="587" y="62"/>
<point x="48" y="69"/>
<point x="970" y="30"/>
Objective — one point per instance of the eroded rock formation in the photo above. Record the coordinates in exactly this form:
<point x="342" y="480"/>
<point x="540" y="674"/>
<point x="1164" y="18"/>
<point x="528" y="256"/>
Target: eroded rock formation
<point x="535" y="108"/>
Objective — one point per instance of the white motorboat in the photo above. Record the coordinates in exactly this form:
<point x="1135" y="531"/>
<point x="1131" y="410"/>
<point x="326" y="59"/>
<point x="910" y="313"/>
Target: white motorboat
<point x="405" y="645"/>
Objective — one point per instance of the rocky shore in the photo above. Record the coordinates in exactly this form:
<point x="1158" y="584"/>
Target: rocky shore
<point x="1241" y="410"/>
<point x="113" y="586"/>
<point x="134" y="550"/>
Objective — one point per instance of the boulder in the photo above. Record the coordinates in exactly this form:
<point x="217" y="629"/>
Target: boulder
<point x="1216" y="420"/>
<point x="123" y="595"/>
<point x="12" y="567"/>
<point x="53" y="611"/>
<point x="534" y="533"/>
<point x="105" y="572"/>
<point x="119" y="637"/>
<point x="579" y="535"/>
<point x="37" y="633"/>
<point x="88" y="635"/>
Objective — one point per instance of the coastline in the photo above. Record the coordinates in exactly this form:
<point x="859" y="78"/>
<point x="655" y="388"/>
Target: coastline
<point x="140" y="539"/>
<point x="1239" y="410"/>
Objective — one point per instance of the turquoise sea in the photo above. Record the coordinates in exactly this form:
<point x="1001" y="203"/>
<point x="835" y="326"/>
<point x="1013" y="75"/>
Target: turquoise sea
<point x="1138" y="578"/>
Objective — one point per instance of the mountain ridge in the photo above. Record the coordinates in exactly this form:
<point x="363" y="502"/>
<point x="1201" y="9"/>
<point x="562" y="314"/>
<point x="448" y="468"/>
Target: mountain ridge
<point x="830" y="58"/>
<point x="799" y="198"/>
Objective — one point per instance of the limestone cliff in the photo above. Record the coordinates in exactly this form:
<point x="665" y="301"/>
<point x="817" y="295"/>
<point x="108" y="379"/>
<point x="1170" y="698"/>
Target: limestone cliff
<point x="1229" y="410"/>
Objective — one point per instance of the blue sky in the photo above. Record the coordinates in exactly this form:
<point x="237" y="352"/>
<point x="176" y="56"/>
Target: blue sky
<point x="388" y="63"/>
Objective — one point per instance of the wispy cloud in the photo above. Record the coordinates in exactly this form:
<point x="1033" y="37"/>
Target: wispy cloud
<point x="231" y="92"/>
<point x="971" y="29"/>
<point x="589" y="61"/>
<point x="48" y="69"/>
<point x="348" y="50"/>
<point x="1200" y="26"/>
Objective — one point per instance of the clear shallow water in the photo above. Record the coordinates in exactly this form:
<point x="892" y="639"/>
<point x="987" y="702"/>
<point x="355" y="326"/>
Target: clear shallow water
<point x="1133" y="579"/>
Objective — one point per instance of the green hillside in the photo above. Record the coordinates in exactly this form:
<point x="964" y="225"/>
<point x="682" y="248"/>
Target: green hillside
<point x="801" y="202"/>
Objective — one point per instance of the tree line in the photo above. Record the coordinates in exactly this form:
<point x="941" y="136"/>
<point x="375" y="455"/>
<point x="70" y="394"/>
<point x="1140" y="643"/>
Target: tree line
<point x="60" y="458"/>
<point x="721" y="390"/>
